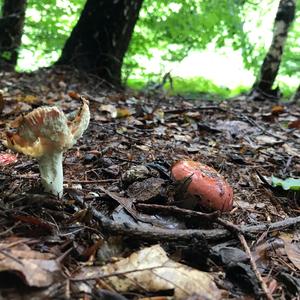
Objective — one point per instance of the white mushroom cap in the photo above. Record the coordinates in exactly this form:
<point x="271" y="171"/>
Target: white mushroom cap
<point x="46" y="130"/>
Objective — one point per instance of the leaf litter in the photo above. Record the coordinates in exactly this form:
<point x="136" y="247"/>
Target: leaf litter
<point x="120" y="228"/>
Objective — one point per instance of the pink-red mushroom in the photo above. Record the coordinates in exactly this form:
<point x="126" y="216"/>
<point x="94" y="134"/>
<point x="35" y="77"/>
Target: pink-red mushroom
<point x="206" y="183"/>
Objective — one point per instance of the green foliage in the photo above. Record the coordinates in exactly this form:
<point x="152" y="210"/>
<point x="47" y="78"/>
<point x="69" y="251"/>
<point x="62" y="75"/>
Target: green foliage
<point x="287" y="184"/>
<point x="179" y="26"/>
<point x="47" y="26"/>
<point x="167" y="31"/>
<point x="192" y="87"/>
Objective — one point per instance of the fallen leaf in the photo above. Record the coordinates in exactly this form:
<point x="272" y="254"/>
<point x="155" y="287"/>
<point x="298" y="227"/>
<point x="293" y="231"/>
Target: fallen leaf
<point x="36" y="269"/>
<point x="277" y="110"/>
<point x="32" y="220"/>
<point x="294" y="124"/>
<point x="291" y="150"/>
<point x="147" y="189"/>
<point x="266" y="140"/>
<point x="123" y="113"/>
<point x="151" y="270"/>
<point x="182" y="138"/>
<point x="292" y="248"/>
<point x="111" y="109"/>
<point x="73" y="95"/>
<point x="27" y="98"/>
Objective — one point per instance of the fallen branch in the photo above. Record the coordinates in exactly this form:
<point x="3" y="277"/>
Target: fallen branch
<point x="244" y="229"/>
<point x="280" y="225"/>
<point x="254" y="267"/>
<point x="190" y="109"/>
<point x="154" y="233"/>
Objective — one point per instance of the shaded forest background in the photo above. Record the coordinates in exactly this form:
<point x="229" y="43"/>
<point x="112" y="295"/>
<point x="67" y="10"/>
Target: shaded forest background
<point x="111" y="39"/>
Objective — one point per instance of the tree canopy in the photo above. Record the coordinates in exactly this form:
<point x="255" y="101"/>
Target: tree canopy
<point x="168" y="29"/>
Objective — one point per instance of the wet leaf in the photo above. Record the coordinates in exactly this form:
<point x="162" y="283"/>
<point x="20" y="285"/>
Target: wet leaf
<point x="32" y="220"/>
<point x="227" y="255"/>
<point x="147" y="189"/>
<point x="291" y="282"/>
<point x="151" y="270"/>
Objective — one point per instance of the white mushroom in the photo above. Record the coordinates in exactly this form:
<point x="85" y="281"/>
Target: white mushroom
<point x="45" y="133"/>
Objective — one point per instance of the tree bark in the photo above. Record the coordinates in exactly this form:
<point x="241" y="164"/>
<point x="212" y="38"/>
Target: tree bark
<point x="11" y="30"/>
<point x="100" y="39"/>
<point x="296" y="97"/>
<point x="262" y="89"/>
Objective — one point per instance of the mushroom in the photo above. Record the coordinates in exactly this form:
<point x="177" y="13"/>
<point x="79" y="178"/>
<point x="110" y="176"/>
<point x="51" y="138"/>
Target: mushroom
<point x="45" y="133"/>
<point x="204" y="182"/>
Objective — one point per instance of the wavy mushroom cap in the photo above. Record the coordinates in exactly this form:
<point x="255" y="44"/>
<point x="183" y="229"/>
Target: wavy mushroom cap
<point x="47" y="130"/>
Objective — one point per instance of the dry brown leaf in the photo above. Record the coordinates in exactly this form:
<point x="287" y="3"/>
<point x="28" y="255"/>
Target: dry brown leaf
<point x="151" y="270"/>
<point x="27" y="98"/>
<point x="292" y="248"/>
<point x="111" y="109"/>
<point x="290" y="150"/>
<point x="278" y="109"/>
<point x="123" y="112"/>
<point x="295" y="124"/>
<point x="36" y="269"/>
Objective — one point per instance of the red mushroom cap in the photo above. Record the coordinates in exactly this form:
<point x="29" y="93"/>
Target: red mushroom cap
<point x="206" y="183"/>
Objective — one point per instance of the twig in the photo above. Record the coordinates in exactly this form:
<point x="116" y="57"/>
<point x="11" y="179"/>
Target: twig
<point x="183" y="110"/>
<point x="263" y="130"/>
<point x="254" y="267"/>
<point x="161" y="234"/>
<point x="154" y="233"/>
<point x="173" y="210"/>
<point x="238" y="231"/>
<point x="280" y="225"/>
<point x="91" y="181"/>
<point x="244" y="229"/>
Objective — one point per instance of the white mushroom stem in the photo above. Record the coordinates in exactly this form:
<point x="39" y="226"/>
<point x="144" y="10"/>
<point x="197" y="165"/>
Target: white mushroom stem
<point x="51" y="169"/>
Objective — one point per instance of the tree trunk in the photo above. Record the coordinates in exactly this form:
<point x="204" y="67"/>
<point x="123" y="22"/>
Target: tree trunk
<point x="101" y="37"/>
<point x="262" y="89"/>
<point x="11" y="30"/>
<point x="296" y="97"/>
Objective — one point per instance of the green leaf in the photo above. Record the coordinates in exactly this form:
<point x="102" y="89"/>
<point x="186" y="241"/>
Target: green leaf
<point x="287" y="184"/>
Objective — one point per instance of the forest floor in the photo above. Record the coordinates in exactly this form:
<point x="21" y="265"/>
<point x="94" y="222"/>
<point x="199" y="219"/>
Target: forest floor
<point x="118" y="232"/>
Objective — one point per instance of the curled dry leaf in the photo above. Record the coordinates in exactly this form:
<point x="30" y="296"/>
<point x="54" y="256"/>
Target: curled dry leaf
<point x="151" y="270"/>
<point x="34" y="268"/>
